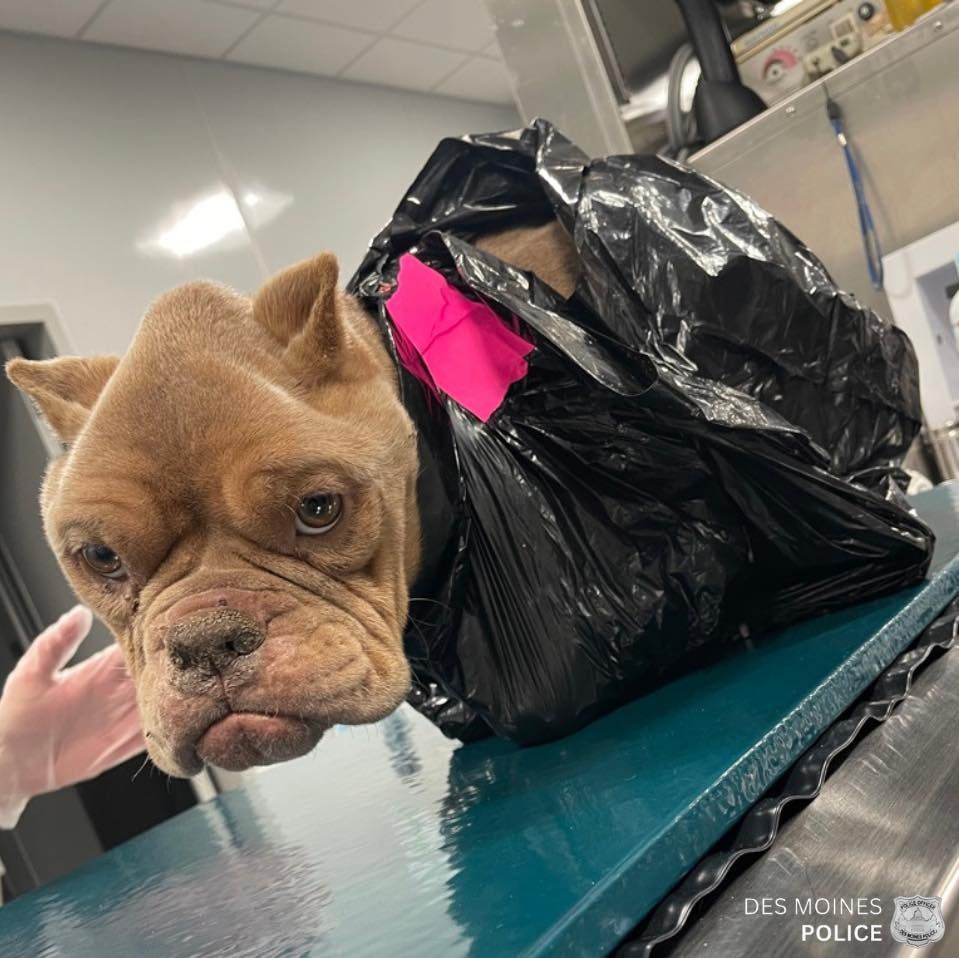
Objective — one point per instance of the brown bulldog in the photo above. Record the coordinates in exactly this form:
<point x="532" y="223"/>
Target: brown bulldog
<point x="237" y="502"/>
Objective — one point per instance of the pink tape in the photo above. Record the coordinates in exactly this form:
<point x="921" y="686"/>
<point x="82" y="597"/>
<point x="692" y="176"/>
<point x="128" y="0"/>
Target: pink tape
<point x="455" y="345"/>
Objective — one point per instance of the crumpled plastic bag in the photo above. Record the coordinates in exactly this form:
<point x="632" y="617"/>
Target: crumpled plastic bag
<point x="703" y="442"/>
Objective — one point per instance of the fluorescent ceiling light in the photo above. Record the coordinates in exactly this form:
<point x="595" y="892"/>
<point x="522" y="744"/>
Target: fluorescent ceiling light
<point x="205" y="223"/>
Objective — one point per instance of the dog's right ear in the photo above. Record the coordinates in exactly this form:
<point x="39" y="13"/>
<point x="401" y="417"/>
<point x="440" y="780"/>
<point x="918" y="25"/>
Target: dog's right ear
<point x="63" y="389"/>
<point x="301" y="307"/>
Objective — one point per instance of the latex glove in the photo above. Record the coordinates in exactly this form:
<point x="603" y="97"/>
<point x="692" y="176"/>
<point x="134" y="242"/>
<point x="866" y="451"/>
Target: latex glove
<point x="59" y="726"/>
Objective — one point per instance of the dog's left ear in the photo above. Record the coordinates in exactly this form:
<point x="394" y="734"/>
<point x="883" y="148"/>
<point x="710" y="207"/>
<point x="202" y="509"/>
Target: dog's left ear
<point x="302" y="308"/>
<point x="63" y="389"/>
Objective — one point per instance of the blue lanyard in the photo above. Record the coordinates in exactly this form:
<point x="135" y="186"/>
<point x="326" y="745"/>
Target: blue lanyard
<point x="870" y="238"/>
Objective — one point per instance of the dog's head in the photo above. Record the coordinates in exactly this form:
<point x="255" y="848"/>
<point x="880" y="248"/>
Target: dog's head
<point x="237" y="502"/>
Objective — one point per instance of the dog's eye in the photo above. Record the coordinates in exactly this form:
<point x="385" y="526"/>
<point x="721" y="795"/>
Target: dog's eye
<point x="103" y="560"/>
<point x="318" y="512"/>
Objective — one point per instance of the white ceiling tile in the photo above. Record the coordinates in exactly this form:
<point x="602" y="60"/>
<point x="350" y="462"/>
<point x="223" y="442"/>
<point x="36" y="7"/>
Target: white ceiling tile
<point x="479" y="79"/>
<point x="461" y="24"/>
<point x="493" y="50"/>
<point x="375" y="15"/>
<point x="61" y="18"/>
<point x="290" y="44"/>
<point x="192" y="27"/>
<point x="400" y="63"/>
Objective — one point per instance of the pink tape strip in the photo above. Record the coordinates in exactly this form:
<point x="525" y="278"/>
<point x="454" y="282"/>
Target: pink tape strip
<point x="456" y="345"/>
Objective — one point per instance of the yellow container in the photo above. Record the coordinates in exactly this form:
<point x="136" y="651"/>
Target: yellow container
<point x="904" y="12"/>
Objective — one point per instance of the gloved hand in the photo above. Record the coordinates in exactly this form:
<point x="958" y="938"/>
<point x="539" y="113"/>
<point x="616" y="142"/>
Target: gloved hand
<point x="60" y="726"/>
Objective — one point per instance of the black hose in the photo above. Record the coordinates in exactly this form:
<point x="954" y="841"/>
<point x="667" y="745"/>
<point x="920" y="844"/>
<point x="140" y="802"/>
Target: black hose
<point x="708" y="36"/>
<point x="722" y="102"/>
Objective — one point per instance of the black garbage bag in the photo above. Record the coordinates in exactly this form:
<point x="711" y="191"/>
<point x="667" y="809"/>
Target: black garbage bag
<point x="705" y="443"/>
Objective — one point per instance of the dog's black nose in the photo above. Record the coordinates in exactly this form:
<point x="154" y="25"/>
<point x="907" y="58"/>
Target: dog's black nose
<point x="212" y="640"/>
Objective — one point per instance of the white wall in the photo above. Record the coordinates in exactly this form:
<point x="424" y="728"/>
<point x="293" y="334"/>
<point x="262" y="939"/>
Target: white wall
<point x="104" y="150"/>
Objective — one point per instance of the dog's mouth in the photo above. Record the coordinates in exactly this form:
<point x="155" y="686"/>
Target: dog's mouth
<point x="240" y="740"/>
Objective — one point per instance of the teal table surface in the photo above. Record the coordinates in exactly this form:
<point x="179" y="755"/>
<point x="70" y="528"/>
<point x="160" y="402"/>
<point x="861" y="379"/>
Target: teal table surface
<point x="391" y="840"/>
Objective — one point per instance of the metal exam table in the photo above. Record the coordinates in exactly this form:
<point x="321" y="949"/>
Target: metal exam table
<point x="395" y="841"/>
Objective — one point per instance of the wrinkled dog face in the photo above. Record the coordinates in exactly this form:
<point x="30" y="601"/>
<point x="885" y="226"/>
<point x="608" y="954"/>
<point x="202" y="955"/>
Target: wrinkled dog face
<point x="237" y="503"/>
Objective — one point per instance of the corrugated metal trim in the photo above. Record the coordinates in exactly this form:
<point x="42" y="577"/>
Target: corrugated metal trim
<point x="758" y="829"/>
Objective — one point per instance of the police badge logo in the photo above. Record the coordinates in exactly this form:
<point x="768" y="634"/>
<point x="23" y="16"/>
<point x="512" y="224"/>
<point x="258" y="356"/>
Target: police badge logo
<point x="917" y="921"/>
